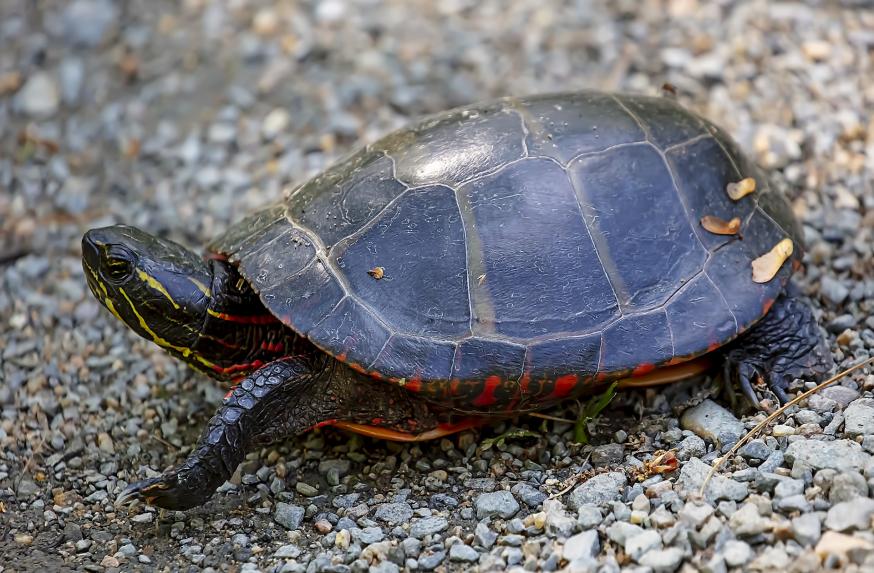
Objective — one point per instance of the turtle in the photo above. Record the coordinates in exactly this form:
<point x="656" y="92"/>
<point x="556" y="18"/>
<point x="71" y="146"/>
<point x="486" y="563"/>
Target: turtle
<point x="491" y="260"/>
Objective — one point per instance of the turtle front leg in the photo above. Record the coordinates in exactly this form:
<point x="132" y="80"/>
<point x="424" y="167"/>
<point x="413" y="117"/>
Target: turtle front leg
<point x="784" y="345"/>
<point x="282" y="399"/>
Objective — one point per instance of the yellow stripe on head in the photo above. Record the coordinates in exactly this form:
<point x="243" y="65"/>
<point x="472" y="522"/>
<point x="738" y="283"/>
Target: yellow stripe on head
<point x="156" y="284"/>
<point x="185" y="352"/>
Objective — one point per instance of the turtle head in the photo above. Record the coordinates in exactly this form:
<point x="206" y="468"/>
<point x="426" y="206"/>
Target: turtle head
<point x="156" y="287"/>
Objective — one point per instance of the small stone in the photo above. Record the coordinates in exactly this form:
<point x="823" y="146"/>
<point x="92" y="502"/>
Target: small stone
<point x="806" y="529"/>
<point x="755" y="450"/>
<point x="695" y="514"/>
<point x="530" y="496"/>
<point x="582" y="545"/>
<point x="598" y="490"/>
<point x="607" y="454"/>
<point x="289" y="551"/>
<point x="662" y="518"/>
<point x="498" y="503"/>
<point x="851" y="515"/>
<point x="640" y="503"/>
<point x="394" y="513"/>
<point x="691" y="447"/>
<point x="370" y="535"/>
<point x="589" y="516"/>
<point x="859" y="417"/>
<point x="275" y="123"/>
<point x="662" y="560"/>
<point x="772" y="559"/>
<point x="841" y="545"/>
<point x="620" y="532"/>
<point x="104" y="442"/>
<point x="323" y="526"/>
<point x="109" y="561"/>
<point x="288" y="516"/>
<point x="636" y="546"/>
<point x="144" y="517"/>
<point x="841" y="455"/>
<point x="833" y="290"/>
<point x="847" y="486"/>
<point x="305" y="489"/>
<point x="463" y="553"/>
<point x="557" y="521"/>
<point x="840" y="394"/>
<point x="788" y="486"/>
<point x="428" y="526"/>
<point x="693" y="473"/>
<point x="781" y="430"/>
<point x="712" y="422"/>
<point x="39" y="98"/>
<point x="88" y="23"/>
<point x="747" y="522"/>
<point x="792" y="503"/>
<point x="484" y="536"/>
<point x="23" y="538"/>
<point x="430" y="562"/>
<point x="737" y="553"/>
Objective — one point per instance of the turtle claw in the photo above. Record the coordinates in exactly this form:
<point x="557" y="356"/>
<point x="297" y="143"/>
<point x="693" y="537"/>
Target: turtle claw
<point x="165" y="492"/>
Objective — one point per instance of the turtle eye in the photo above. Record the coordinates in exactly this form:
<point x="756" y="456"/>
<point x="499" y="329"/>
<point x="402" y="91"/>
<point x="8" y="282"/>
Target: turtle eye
<point x="119" y="263"/>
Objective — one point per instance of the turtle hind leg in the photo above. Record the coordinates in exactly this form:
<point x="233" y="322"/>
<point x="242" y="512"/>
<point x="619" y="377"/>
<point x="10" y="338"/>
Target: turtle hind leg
<point x="282" y="399"/>
<point x="784" y="345"/>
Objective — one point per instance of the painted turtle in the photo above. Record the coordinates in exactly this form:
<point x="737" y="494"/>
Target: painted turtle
<point x="490" y="260"/>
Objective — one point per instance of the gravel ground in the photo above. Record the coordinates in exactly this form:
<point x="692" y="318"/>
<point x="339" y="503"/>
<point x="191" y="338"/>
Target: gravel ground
<point x="180" y="117"/>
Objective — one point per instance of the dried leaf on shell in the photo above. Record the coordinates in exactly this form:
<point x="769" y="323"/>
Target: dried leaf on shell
<point x="766" y="267"/>
<point x="741" y="189"/>
<point x="720" y="226"/>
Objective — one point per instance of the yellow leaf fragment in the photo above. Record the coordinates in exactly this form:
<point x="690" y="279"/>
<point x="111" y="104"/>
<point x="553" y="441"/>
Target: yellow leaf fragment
<point x="766" y="266"/>
<point x="377" y="272"/>
<point x="720" y="226"/>
<point x="741" y="189"/>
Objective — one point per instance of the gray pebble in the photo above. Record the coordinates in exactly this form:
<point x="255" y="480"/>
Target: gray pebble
<point x="598" y="490"/>
<point x="287" y="515"/>
<point x="394" y="513"/>
<point x="39" y="97"/>
<point x="463" y="553"/>
<point x="530" y="495"/>
<point x="663" y="560"/>
<point x="498" y="503"/>
<point x="712" y="422"/>
<point x="841" y="455"/>
<point x="428" y="526"/>
<point x="851" y="515"/>
<point x="88" y="23"/>
<point x="859" y="417"/>
<point x="582" y="545"/>
<point x="806" y="529"/>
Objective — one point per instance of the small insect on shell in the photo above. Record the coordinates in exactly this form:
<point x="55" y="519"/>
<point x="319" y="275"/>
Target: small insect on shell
<point x="766" y="267"/>
<point x="377" y="272"/>
<point x="720" y="226"/>
<point x="741" y="189"/>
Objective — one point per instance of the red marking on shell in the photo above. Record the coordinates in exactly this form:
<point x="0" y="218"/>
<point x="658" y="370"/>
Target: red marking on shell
<point x="377" y="421"/>
<point x="712" y="346"/>
<point x="644" y="368"/>
<point x="563" y="385"/>
<point x="324" y="423"/>
<point x="247" y="319"/>
<point x="524" y="382"/>
<point x="487" y="396"/>
<point x="600" y="376"/>
<point x="766" y="306"/>
<point x="796" y="265"/>
<point x="413" y="385"/>
<point x="273" y="346"/>
<point x="453" y="387"/>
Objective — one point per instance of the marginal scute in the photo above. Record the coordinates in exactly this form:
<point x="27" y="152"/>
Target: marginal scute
<point x="636" y="340"/>
<point x="702" y="171"/>
<point x="667" y="123"/>
<point x="352" y="333"/>
<point x="551" y="359"/>
<point x="418" y="358"/>
<point x="698" y="315"/>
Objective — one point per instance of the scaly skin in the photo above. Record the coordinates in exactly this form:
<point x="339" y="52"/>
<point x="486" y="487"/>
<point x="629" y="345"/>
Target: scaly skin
<point x="786" y="344"/>
<point x="283" y="399"/>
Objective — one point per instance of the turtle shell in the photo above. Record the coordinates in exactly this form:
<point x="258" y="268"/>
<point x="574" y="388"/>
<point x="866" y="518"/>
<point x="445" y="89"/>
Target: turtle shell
<point x="507" y="254"/>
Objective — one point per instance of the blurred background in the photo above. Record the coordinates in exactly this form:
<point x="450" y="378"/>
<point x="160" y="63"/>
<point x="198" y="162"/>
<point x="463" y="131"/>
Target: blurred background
<point x="182" y="116"/>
